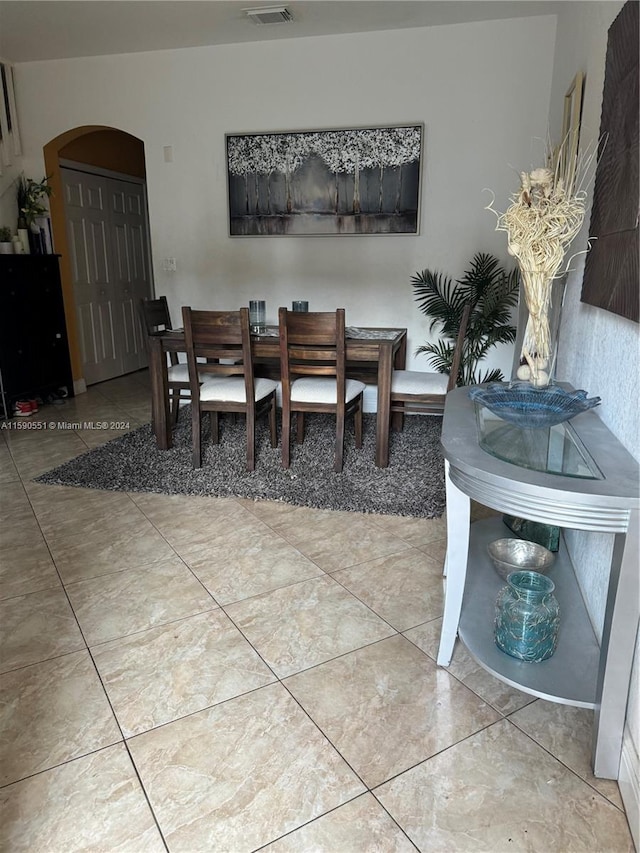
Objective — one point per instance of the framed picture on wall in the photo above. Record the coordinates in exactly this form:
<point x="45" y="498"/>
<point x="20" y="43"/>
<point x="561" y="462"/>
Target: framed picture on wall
<point x="611" y="267"/>
<point x="571" y="129"/>
<point x="325" y="182"/>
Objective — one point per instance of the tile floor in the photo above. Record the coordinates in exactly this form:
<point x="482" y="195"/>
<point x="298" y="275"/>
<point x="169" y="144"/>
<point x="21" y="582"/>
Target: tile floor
<point x="191" y="674"/>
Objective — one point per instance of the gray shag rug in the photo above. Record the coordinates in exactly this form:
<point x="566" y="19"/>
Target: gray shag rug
<point x="412" y="485"/>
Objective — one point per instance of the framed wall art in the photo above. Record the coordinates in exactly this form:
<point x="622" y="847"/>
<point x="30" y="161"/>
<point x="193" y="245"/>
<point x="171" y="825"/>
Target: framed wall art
<point x="611" y="266"/>
<point x="571" y="128"/>
<point x="325" y="182"/>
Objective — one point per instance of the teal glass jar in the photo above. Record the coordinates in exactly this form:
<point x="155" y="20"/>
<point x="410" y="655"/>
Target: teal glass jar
<point x="527" y="617"/>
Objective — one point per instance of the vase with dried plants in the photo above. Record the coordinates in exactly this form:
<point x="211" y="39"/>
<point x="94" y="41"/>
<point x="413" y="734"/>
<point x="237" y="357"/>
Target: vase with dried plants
<point x="544" y="217"/>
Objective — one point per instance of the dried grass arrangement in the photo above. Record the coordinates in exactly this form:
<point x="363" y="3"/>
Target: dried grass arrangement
<point x="541" y="222"/>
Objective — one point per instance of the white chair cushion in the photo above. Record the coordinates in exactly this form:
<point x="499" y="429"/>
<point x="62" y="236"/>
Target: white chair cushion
<point x="416" y="382"/>
<point x="231" y="389"/>
<point x="323" y="389"/>
<point x="180" y="373"/>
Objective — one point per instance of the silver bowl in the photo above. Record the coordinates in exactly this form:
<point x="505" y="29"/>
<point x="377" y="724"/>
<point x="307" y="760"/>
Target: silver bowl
<point x="512" y="555"/>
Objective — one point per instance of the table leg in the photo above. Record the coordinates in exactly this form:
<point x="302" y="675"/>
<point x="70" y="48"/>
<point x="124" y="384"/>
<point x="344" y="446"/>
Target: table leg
<point x="385" y="368"/>
<point x="458" y="519"/>
<point x="160" y="414"/>
<point x="617" y="650"/>
<point x="399" y="363"/>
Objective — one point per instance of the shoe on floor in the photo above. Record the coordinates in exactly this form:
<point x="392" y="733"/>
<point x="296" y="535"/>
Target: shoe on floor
<point x="22" y="408"/>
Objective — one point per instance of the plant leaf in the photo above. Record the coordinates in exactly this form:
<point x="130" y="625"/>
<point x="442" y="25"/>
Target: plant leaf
<point x="493" y="294"/>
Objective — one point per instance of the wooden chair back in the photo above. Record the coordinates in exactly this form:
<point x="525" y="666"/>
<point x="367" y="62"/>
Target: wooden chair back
<point x="218" y="345"/>
<point x="155" y="317"/>
<point x="457" y="353"/>
<point x="222" y="342"/>
<point x="312" y="344"/>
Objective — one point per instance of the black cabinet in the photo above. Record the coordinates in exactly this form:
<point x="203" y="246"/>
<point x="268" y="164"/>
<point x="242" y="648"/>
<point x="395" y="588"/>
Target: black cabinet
<point x="34" y="349"/>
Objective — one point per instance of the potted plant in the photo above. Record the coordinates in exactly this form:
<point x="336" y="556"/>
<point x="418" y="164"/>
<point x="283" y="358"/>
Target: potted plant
<point x="493" y="294"/>
<point x="30" y="197"/>
<point x="6" y="246"/>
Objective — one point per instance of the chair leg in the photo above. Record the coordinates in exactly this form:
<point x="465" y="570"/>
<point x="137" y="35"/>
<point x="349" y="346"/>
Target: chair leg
<point x="397" y="419"/>
<point x="286" y="436"/>
<point x="196" y="453"/>
<point x="299" y="427"/>
<point x="272" y="422"/>
<point x="357" y="417"/>
<point x="175" y="406"/>
<point x="337" y="463"/>
<point x="251" y="439"/>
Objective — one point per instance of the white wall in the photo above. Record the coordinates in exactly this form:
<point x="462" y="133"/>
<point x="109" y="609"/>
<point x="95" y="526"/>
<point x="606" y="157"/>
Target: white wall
<point x="599" y="351"/>
<point x="8" y="189"/>
<point x="480" y="94"/>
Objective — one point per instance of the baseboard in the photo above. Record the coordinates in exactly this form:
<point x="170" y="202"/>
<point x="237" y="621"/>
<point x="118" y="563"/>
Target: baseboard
<point x="79" y="386"/>
<point x="629" y="782"/>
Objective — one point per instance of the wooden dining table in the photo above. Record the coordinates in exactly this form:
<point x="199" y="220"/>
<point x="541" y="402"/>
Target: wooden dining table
<point x="372" y="355"/>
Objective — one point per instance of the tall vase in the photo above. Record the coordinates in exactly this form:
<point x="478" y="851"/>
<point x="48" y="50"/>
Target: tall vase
<point x="527" y="617"/>
<point x="539" y="314"/>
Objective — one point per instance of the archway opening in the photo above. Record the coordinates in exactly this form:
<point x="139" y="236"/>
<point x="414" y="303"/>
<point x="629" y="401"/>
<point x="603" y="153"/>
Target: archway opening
<point x="101" y="147"/>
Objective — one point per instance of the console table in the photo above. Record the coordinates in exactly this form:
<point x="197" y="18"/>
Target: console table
<point x="577" y="476"/>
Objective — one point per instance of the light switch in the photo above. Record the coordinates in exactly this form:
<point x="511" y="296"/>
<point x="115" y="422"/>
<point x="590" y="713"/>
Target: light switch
<point x="167" y="151"/>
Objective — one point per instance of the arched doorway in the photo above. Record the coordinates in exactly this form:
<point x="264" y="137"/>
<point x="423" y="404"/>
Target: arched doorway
<point x="99" y="171"/>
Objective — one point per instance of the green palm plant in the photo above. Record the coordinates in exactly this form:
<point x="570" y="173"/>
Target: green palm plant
<point x="492" y="292"/>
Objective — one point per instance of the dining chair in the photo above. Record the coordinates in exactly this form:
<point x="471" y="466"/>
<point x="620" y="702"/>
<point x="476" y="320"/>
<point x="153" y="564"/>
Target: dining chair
<point x="155" y="317"/>
<point x="424" y="392"/>
<point x="313" y="374"/>
<point x="225" y="381"/>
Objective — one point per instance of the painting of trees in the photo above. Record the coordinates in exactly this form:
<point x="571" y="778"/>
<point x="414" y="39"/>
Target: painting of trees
<point x="351" y="181"/>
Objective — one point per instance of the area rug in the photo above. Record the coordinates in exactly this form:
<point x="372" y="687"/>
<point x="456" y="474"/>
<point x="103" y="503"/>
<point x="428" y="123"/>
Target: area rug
<point x="412" y="485"/>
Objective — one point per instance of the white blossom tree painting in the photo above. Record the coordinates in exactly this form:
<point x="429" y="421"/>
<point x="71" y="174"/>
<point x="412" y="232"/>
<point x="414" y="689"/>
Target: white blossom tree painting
<point x="326" y="182"/>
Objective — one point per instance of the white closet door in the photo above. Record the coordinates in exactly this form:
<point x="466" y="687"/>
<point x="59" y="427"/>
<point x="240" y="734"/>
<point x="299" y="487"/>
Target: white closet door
<point x="130" y="275"/>
<point x="107" y="236"/>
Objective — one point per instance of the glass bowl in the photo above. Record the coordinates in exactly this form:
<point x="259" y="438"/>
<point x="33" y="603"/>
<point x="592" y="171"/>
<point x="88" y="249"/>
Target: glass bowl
<point x="514" y="555"/>
<point x="532" y="408"/>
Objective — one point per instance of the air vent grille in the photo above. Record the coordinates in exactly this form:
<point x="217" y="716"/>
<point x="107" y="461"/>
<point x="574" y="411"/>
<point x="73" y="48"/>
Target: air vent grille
<point x="269" y="15"/>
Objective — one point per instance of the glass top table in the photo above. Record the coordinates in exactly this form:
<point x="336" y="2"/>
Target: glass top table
<point x="553" y="450"/>
<point x="594" y="490"/>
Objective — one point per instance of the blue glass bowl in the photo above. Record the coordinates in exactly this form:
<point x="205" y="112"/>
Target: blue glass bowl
<point x="532" y="408"/>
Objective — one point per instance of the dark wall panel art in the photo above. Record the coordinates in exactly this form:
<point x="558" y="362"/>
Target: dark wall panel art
<point x="325" y="182"/>
<point x="611" y="267"/>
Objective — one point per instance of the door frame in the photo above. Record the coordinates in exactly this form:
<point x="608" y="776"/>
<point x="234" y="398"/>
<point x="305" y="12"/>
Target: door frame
<point x="52" y="161"/>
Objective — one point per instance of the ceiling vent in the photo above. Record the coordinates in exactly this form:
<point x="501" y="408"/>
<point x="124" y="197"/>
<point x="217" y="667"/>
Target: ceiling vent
<point x="269" y="15"/>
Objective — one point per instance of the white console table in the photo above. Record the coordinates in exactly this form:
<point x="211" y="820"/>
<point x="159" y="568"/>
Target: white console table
<point x="596" y="489"/>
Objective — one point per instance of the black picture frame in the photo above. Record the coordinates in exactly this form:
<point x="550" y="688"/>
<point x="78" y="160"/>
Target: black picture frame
<point x="350" y="181"/>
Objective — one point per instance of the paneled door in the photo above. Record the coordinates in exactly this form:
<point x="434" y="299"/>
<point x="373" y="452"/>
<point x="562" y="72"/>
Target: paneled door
<point x="107" y="236"/>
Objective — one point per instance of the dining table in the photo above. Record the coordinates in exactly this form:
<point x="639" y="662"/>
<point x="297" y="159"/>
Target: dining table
<point x="372" y="355"/>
